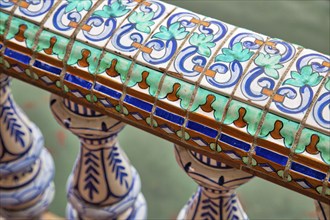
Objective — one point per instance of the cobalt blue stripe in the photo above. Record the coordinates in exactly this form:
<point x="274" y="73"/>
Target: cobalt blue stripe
<point x="234" y="142"/>
<point x="307" y="171"/>
<point x="169" y="116"/>
<point x="107" y="90"/>
<point x="78" y="81"/>
<point x="17" y="56"/>
<point x="47" y="67"/>
<point x="202" y="129"/>
<point x="138" y="103"/>
<point x="270" y="155"/>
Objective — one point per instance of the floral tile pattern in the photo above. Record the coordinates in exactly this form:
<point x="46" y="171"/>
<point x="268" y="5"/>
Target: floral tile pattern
<point x="241" y="95"/>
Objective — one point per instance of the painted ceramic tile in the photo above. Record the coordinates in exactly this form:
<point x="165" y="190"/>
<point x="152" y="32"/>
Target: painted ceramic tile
<point x="8" y="5"/>
<point x="3" y="20"/>
<point x="232" y="61"/>
<point x="104" y="21"/>
<point x="22" y="32"/>
<point x="199" y="49"/>
<point x="67" y="16"/>
<point x="319" y="117"/>
<point x="168" y="38"/>
<point x="265" y="71"/>
<point x="34" y="11"/>
<point x="300" y="85"/>
<point x="243" y="117"/>
<point x="133" y="33"/>
<point x="313" y="144"/>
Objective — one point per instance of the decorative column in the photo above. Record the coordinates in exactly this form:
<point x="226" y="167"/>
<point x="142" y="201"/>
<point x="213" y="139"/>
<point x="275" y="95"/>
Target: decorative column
<point x="322" y="210"/>
<point x="26" y="167"/>
<point x="103" y="183"/>
<point x="215" y="198"/>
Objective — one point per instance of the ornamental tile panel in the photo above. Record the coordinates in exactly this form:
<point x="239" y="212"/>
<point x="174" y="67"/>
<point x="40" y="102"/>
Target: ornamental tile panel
<point x="34" y="11"/>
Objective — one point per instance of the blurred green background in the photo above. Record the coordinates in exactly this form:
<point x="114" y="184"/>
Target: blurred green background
<point x="164" y="185"/>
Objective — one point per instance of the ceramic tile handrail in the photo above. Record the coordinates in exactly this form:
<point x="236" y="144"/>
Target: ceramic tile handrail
<point x="257" y="103"/>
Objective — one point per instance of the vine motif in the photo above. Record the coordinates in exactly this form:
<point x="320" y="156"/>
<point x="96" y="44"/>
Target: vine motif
<point x="116" y="162"/>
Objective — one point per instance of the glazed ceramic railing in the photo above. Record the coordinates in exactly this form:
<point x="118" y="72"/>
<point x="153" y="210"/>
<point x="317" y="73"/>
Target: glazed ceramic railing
<point x="222" y="94"/>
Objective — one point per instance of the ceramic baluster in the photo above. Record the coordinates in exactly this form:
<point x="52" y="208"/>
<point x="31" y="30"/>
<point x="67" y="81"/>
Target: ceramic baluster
<point x="103" y="183"/>
<point x="322" y="210"/>
<point x="26" y="167"/>
<point x="215" y="198"/>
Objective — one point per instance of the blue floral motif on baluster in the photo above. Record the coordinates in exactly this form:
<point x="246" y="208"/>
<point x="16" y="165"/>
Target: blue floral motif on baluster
<point x="139" y="23"/>
<point x="40" y="7"/>
<point x="322" y="102"/>
<point x="117" y="166"/>
<point x="298" y="88"/>
<point x="70" y="11"/>
<point x="266" y="71"/>
<point x="11" y="121"/>
<point x="199" y="49"/>
<point x="239" y="51"/>
<point x="210" y="209"/>
<point x="91" y="179"/>
<point x="107" y="17"/>
<point x="164" y="43"/>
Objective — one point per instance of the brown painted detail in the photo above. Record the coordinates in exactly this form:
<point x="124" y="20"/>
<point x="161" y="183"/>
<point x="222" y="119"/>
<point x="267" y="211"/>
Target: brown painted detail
<point x="240" y="122"/>
<point x="111" y="71"/>
<point x="143" y="48"/>
<point x="172" y="96"/>
<point x="143" y="2"/>
<point x="20" y="34"/>
<point x="22" y="4"/>
<point x="207" y="106"/>
<point x="49" y="50"/>
<point x="83" y="61"/>
<point x="269" y="92"/>
<point x="200" y="69"/>
<point x="275" y="133"/>
<point x="260" y="42"/>
<point x="326" y="64"/>
<point x="197" y="21"/>
<point x="143" y="84"/>
<point x="85" y="27"/>
<point x="311" y="148"/>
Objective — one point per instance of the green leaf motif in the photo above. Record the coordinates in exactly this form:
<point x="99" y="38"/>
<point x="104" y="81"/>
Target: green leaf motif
<point x="270" y="64"/>
<point x="306" y="77"/>
<point x="235" y="53"/>
<point x="114" y="11"/>
<point x="203" y="42"/>
<point x="78" y="5"/>
<point x="327" y="84"/>
<point x="173" y="31"/>
<point x="142" y="21"/>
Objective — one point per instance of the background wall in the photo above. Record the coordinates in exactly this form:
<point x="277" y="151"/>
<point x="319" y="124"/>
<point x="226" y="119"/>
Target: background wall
<point x="164" y="185"/>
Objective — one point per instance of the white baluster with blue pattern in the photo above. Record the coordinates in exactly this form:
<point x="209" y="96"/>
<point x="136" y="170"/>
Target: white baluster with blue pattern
<point x="215" y="198"/>
<point x="103" y="183"/>
<point x="26" y="167"/>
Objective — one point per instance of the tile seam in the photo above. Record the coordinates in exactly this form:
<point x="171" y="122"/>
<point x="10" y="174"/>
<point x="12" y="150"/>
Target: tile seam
<point x="104" y="50"/>
<point x="197" y="84"/>
<point x="38" y="34"/>
<point x="300" y="129"/>
<point x="165" y="73"/>
<point x="130" y="70"/>
<point x="72" y="38"/>
<point x="267" y="106"/>
<point x="231" y="96"/>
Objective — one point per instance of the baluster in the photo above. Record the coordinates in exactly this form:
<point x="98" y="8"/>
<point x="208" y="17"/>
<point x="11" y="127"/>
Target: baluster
<point x="103" y="183"/>
<point x="322" y="210"/>
<point x="216" y="197"/>
<point x="26" y="167"/>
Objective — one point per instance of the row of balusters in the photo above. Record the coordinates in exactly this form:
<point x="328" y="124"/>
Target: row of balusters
<point x="103" y="184"/>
